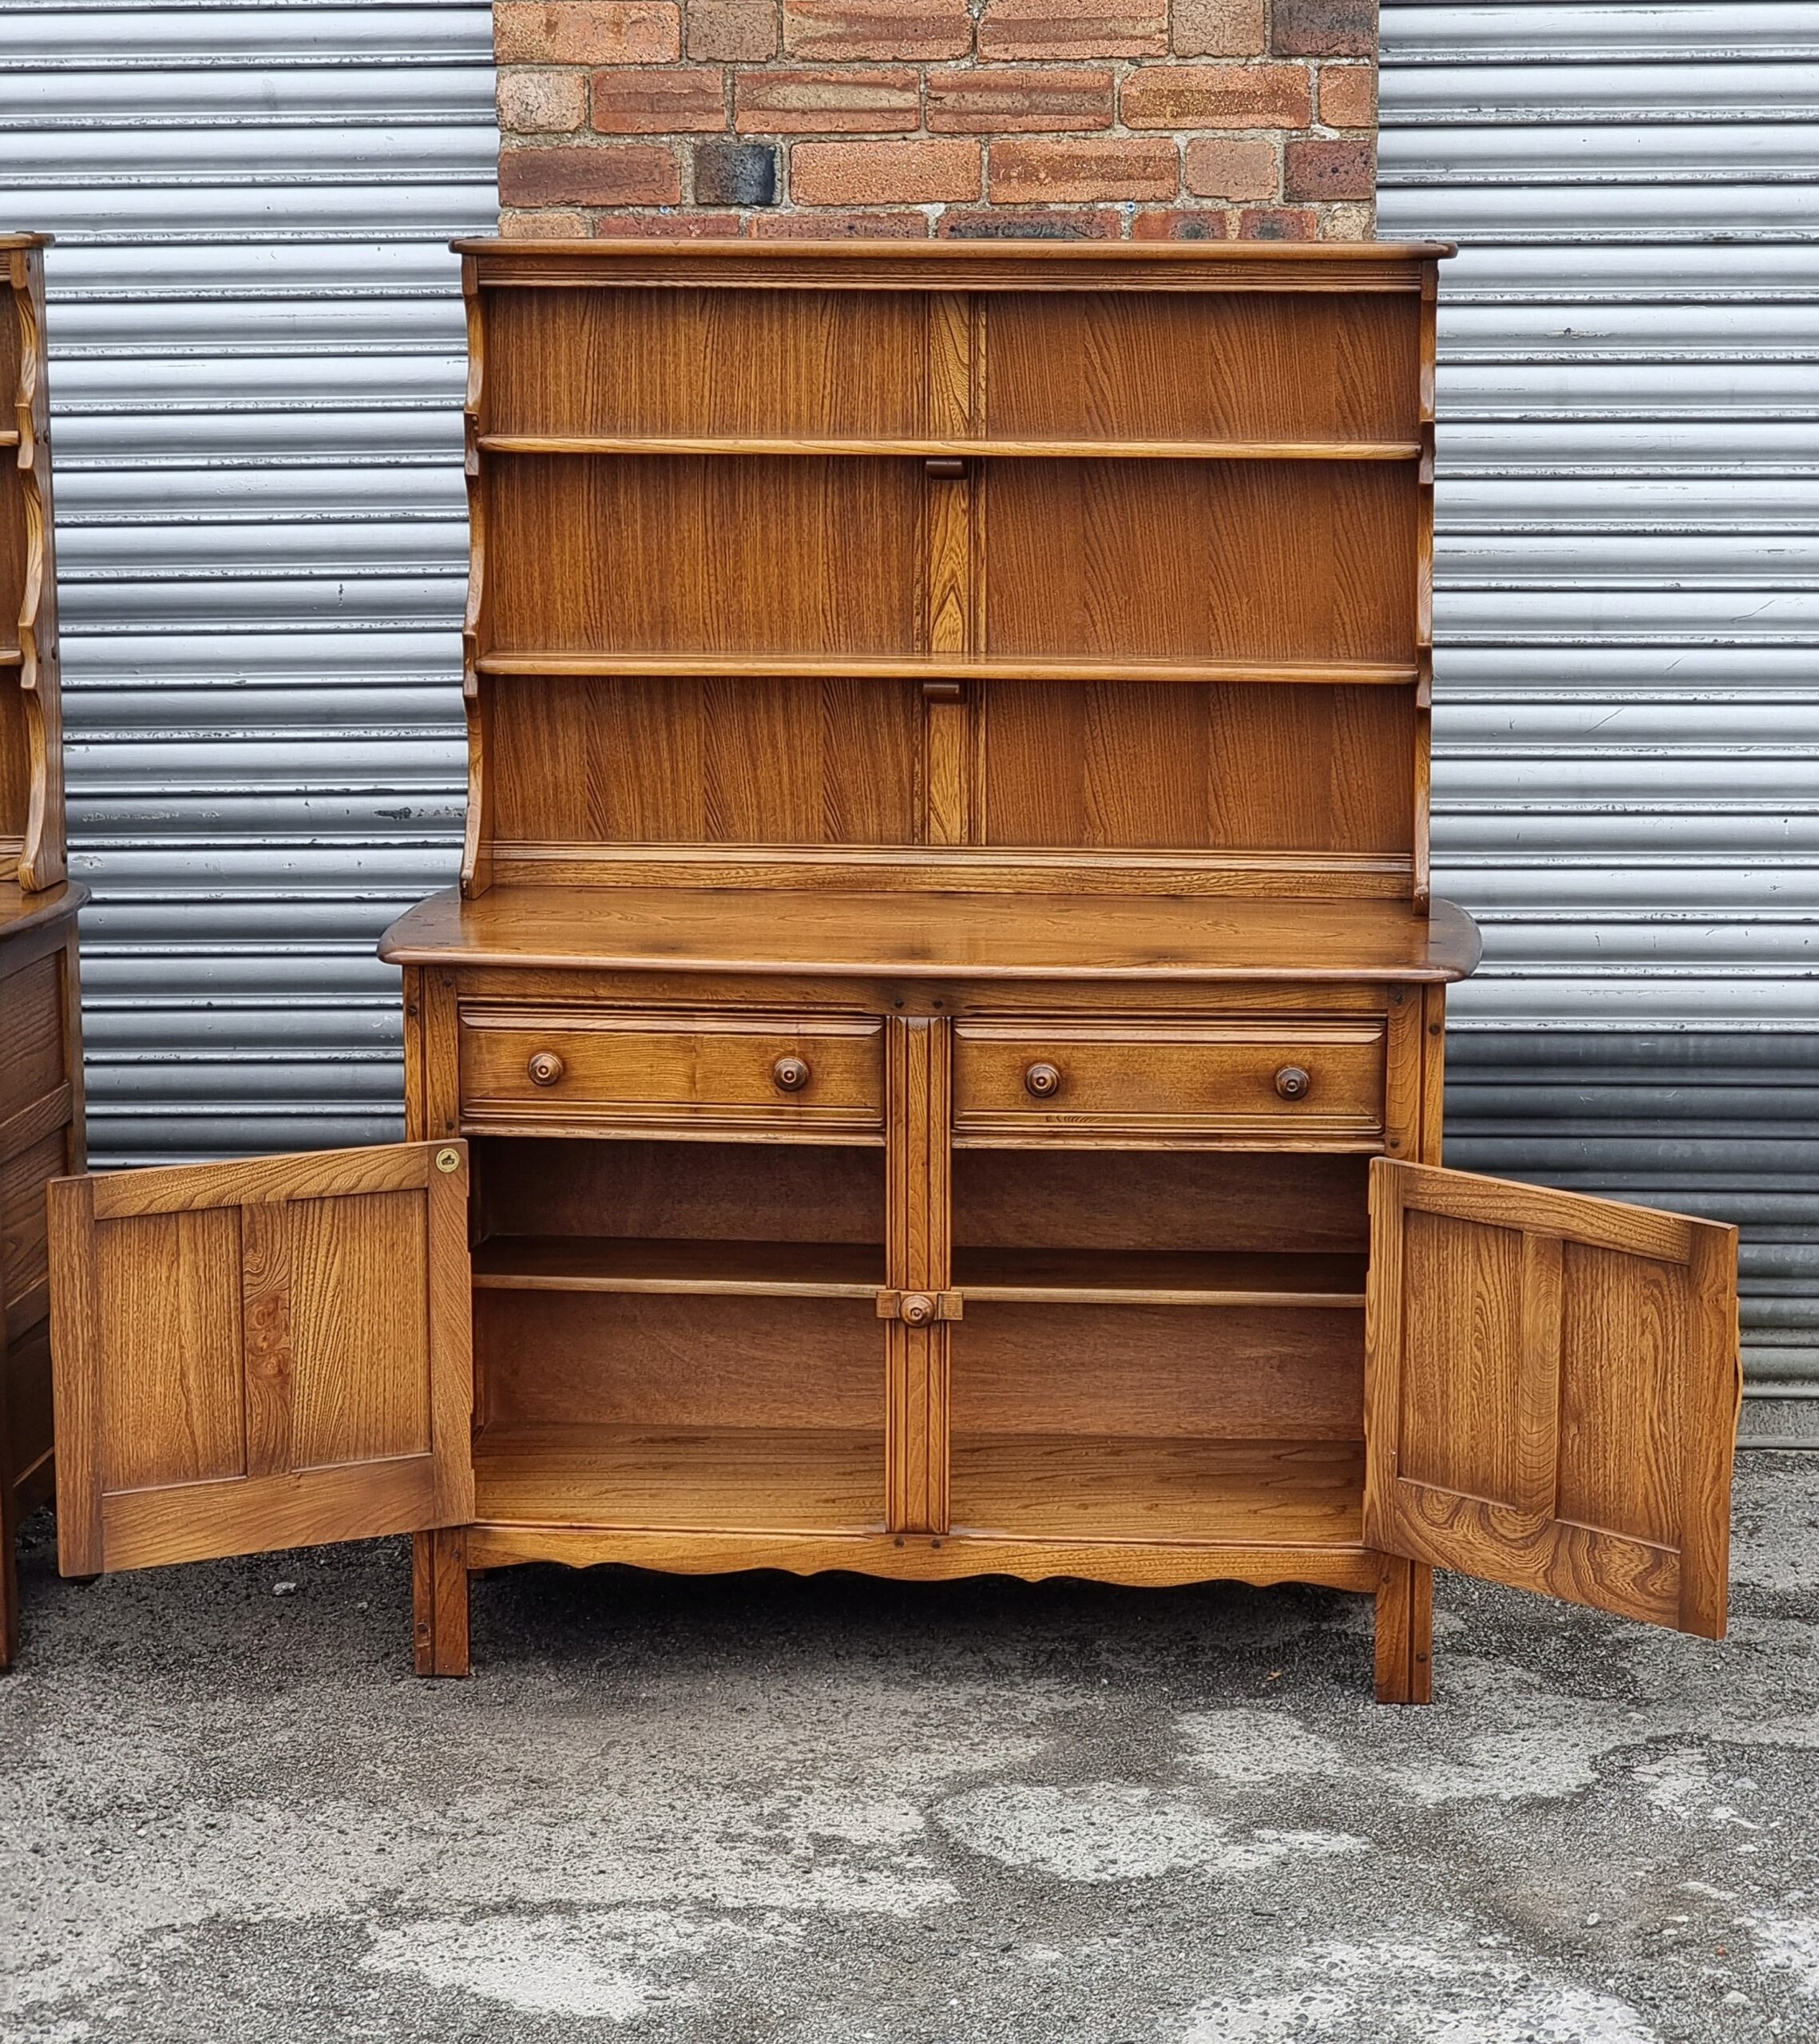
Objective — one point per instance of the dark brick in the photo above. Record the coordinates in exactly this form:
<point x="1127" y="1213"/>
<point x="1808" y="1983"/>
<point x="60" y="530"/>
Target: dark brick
<point x="1324" y="28"/>
<point x="1094" y="225"/>
<point x="1328" y="170"/>
<point x="1278" y="224"/>
<point x="735" y="174"/>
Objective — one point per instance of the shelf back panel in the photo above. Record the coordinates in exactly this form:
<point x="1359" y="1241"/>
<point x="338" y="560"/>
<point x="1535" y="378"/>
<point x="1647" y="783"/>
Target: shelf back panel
<point x="1118" y="763"/>
<point x="707" y="762"/>
<point x="1259" y="520"/>
<point x="680" y="554"/>
<point x="1151" y="366"/>
<point x="763" y="364"/>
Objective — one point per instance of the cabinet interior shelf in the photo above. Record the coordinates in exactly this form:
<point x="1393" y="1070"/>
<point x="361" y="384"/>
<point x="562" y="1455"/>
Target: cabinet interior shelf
<point x="1124" y="1488"/>
<point x="599" y="1263"/>
<point x="825" y="1479"/>
<point x="923" y="667"/>
<point x="803" y="1479"/>
<point x="856" y="1270"/>
<point x="1072" y="1277"/>
<point x="1024" y="450"/>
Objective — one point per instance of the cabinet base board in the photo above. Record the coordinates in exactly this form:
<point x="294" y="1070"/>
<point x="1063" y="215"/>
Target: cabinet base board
<point x="929" y="1557"/>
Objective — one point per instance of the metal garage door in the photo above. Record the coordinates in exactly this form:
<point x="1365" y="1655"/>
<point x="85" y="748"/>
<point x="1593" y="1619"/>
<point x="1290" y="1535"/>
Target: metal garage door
<point x="1628" y="692"/>
<point x="256" y="366"/>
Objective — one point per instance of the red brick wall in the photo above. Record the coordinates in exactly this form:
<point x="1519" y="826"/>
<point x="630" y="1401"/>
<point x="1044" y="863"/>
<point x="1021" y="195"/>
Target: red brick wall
<point x="1118" y="118"/>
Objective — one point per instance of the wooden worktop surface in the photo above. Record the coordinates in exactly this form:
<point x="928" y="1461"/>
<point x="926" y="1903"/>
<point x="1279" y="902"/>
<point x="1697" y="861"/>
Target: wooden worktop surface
<point x="20" y="911"/>
<point x="931" y="935"/>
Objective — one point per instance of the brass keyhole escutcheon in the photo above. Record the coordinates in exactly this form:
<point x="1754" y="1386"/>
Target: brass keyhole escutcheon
<point x="448" y="1160"/>
<point x="545" y="1068"/>
<point x="1042" y="1082"/>
<point x="791" y="1073"/>
<point x="1293" y="1083"/>
<point x="918" y="1309"/>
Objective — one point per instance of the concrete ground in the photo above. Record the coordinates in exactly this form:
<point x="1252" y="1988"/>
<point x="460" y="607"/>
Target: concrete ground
<point x="827" y="1811"/>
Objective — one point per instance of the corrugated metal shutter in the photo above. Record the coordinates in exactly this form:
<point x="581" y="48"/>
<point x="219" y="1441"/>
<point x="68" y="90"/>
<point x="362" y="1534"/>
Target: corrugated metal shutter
<point x="257" y="349"/>
<point x="1627" y="693"/>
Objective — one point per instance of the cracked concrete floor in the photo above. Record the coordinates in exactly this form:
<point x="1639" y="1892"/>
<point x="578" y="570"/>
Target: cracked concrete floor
<point x="827" y="1812"/>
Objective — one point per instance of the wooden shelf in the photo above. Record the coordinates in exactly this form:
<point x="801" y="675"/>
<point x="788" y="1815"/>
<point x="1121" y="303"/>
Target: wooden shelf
<point x="1148" y="1278"/>
<point x="1062" y="450"/>
<point x="10" y="656"/>
<point x="974" y="936"/>
<point x="1096" y="1486"/>
<point x="758" y="1479"/>
<point x="875" y="666"/>
<point x="596" y="1263"/>
<point x="9" y="436"/>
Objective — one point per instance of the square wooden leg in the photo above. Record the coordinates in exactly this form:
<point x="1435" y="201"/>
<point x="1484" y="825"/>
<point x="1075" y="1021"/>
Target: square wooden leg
<point x="1405" y="1633"/>
<point x="9" y="1593"/>
<point x="9" y="1523"/>
<point x="439" y="1584"/>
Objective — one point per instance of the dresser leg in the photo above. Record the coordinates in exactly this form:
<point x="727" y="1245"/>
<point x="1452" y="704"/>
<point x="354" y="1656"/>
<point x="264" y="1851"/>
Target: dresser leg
<point x="438" y="1585"/>
<point x="9" y="1595"/>
<point x="1405" y="1633"/>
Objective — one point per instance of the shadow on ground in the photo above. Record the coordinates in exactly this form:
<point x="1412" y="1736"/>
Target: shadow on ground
<point x="820" y="1812"/>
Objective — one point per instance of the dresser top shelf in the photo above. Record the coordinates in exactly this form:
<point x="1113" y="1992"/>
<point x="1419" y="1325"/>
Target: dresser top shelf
<point x="936" y="935"/>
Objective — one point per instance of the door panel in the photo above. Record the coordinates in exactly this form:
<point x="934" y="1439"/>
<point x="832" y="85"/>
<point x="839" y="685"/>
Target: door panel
<point x="1552" y="1390"/>
<point x="262" y="1355"/>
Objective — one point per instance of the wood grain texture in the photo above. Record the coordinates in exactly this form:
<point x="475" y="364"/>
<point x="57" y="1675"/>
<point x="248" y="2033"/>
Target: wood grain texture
<point x="1293" y="560"/>
<point x="1204" y="471"/>
<point x="680" y="1361"/>
<point x="789" y="365"/>
<point x="732" y="1479"/>
<point x="1115" y="1487"/>
<point x="1234" y="765"/>
<point x="686" y="1192"/>
<point x="918" y="1207"/>
<point x="1154" y="1370"/>
<point x="593" y="1263"/>
<point x="1158" y="1202"/>
<point x="260" y="1355"/>
<point x="563" y="531"/>
<point x="928" y="1558"/>
<point x="956" y="265"/>
<point x="687" y="760"/>
<point x="1551" y="1382"/>
<point x="1112" y="366"/>
<point x="1404" y="1632"/>
<point x="439" y="1598"/>
<point x="1168" y="1083"/>
<point x="40" y="1138"/>
<point x="645" y="1070"/>
<point x="908" y="936"/>
<point x="31" y="788"/>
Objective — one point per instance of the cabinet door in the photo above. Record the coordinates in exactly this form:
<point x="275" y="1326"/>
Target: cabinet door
<point x="260" y="1355"/>
<point x="1551" y="1392"/>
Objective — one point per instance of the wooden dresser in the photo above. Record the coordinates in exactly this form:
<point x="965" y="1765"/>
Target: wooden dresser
<point x="934" y="1065"/>
<point x="41" y="1063"/>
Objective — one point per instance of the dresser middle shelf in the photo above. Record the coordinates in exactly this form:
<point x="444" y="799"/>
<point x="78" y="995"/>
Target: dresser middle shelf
<point x="856" y="1270"/>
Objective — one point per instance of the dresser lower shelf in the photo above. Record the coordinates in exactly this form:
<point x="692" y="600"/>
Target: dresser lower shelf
<point x="1121" y="1509"/>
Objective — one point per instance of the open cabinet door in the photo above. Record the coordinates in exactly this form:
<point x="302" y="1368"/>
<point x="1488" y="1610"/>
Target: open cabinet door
<point x="1552" y="1389"/>
<point x="260" y="1355"/>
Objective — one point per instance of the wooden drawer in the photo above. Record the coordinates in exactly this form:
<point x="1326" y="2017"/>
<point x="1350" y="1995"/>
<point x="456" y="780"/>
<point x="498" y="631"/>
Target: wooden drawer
<point x="1145" y="1083"/>
<point x="777" y="1076"/>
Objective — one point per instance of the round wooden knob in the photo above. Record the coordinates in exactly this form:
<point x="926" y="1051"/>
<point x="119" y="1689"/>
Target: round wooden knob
<point x="918" y="1309"/>
<point x="791" y="1073"/>
<point x="1042" y="1082"/>
<point x="1293" y="1083"/>
<point x="545" y="1068"/>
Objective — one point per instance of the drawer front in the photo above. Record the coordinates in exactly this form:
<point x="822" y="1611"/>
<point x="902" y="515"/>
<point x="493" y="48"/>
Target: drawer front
<point x="1170" y="1082"/>
<point x="776" y="1075"/>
